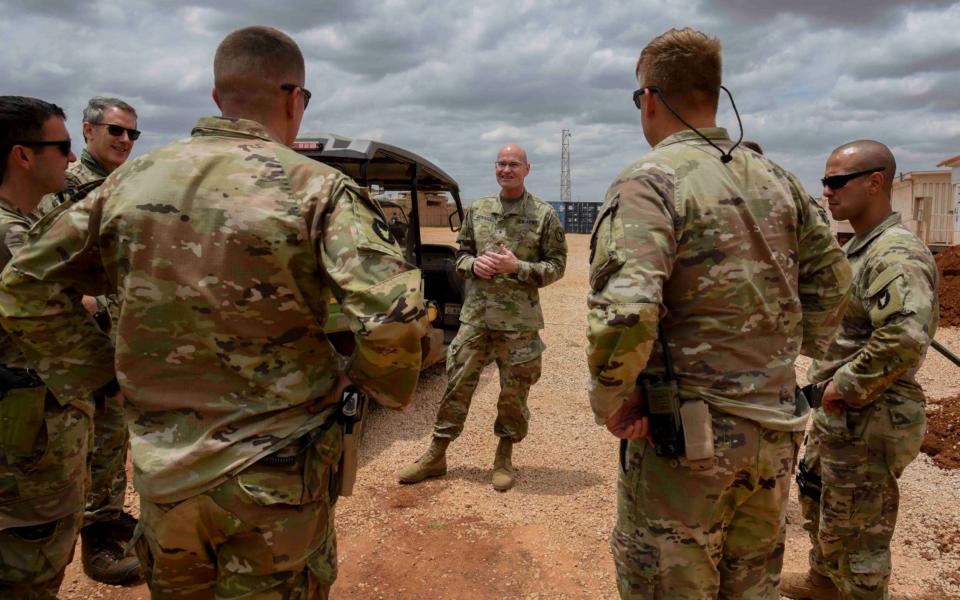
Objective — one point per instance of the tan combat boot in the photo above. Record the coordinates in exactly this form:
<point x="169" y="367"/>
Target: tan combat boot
<point x="808" y="586"/>
<point x="502" y="468"/>
<point x="433" y="463"/>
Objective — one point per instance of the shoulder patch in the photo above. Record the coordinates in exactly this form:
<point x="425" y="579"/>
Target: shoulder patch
<point x="383" y="231"/>
<point x="560" y="235"/>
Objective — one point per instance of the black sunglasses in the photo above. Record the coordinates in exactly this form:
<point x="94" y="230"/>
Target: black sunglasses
<point x="62" y="145"/>
<point x="835" y="182"/>
<point x="638" y="95"/>
<point x="117" y="131"/>
<point x="289" y="87"/>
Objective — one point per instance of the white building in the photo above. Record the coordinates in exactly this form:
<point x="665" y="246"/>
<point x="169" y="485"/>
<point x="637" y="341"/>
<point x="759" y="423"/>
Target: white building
<point x="954" y="165"/>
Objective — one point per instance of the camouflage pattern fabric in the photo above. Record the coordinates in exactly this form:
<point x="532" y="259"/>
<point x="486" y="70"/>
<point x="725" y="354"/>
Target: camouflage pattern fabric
<point x="266" y="533"/>
<point x="532" y="231"/>
<point x="108" y="464"/>
<point x="716" y="533"/>
<point x="108" y="456"/>
<point x="225" y="249"/>
<point x="740" y="265"/>
<point x="860" y="454"/>
<point x="744" y="263"/>
<point x="33" y="560"/>
<point x="501" y="316"/>
<point x="518" y="357"/>
<point x="43" y="468"/>
<point x="81" y="171"/>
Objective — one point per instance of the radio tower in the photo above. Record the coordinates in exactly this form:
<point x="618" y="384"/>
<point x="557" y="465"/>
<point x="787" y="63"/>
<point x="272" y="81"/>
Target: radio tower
<point x="565" y="195"/>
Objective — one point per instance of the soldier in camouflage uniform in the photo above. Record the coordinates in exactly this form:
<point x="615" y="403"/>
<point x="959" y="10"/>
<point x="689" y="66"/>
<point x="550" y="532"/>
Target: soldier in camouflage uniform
<point x="738" y="266"/>
<point x="43" y="439"/>
<point x="872" y="421"/>
<point x="225" y="249"/>
<point x="109" y="128"/>
<point x="511" y="245"/>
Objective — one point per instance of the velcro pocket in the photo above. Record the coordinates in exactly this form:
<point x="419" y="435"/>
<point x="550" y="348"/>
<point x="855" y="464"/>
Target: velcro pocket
<point x="605" y="258"/>
<point x="372" y="231"/>
<point x="903" y="439"/>
<point x="21" y="419"/>
<point x="887" y="295"/>
<point x="270" y="484"/>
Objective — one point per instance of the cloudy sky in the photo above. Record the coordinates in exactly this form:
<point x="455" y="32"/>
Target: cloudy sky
<point x="453" y="83"/>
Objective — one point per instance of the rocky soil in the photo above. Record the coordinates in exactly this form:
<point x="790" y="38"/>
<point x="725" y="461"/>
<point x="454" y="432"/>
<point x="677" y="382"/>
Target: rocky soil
<point x="548" y="537"/>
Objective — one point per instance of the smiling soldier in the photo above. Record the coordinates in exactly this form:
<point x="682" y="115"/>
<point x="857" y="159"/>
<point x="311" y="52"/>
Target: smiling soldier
<point x="511" y="244"/>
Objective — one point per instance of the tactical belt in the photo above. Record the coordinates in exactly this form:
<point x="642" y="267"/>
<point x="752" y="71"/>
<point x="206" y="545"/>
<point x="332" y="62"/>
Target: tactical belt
<point x="304" y="442"/>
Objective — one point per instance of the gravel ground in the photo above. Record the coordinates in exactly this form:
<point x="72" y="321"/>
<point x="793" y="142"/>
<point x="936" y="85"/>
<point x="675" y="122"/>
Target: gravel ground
<point x="456" y="537"/>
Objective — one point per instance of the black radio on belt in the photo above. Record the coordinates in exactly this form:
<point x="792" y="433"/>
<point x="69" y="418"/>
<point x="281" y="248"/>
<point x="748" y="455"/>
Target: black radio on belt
<point x="662" y="403"/>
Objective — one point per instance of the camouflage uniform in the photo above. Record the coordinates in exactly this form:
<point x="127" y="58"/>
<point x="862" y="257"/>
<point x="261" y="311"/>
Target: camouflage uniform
<point x="743" y="263"/>
<point x="860" y="454"/>
<point x="501" y="316"/>
<point x="81" y="171"/>
<point x="225" y="249"/>
<point x="43" y="470"/>
<point x="108" y="457"/>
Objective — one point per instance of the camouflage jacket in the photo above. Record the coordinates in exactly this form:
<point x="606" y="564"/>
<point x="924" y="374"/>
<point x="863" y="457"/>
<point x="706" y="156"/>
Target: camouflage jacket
<point x="79" y="172"/>
<point x="892" y="317"/>
<point x="225" y="249"/>
<point x="531" y="229"/>
<point x="742" y="261"/>
<point x="13" y="230"/>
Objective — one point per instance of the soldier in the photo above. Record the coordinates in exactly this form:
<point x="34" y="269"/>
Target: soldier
<point x="225" y="249"/>
<point x="872" y="421"/>
<point x="511" y="245"/>
<point x="110" y="129"/>
<point x="43" y="439"/>
<point x="722" y="252"/>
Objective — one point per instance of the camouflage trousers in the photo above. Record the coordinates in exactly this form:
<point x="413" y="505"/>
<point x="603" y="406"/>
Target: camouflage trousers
<point x="43" y="479"/>
<point x="108" y="461"/>
<point x="686" y="533"/>
<point x="265" y="533"/>
<point x="858" y="457"/>
<point x="517" y="354"/>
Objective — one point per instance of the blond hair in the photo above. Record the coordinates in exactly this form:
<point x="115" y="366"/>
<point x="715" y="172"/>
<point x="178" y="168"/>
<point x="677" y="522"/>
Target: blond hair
<point x="685" y="64"/>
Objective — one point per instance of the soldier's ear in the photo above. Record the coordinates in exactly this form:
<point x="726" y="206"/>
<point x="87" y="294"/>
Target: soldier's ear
<point x="216" y="97"/>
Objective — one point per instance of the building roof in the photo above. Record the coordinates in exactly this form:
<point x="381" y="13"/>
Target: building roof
<point x="951" y="162"/>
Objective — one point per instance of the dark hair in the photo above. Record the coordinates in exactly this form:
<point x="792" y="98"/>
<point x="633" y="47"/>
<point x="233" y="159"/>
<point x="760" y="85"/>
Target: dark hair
<point x="22" y="119"/>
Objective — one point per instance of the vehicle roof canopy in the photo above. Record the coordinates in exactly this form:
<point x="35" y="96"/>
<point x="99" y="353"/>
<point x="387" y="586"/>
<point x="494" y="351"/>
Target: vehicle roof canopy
<point x="370" y="162"/>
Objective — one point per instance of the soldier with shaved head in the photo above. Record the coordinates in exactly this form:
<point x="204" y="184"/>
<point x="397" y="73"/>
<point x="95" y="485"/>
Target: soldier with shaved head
<point x="872" y="421"/>
<point x="511" y="245"/>
<point x="225" y="249"/>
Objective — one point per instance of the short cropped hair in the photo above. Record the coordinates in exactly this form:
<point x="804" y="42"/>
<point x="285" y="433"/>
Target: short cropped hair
<point x="21" y="120"/>
<point x="685" y="64"/>
<point x="256" y="53"/>
<point x="98" y="105"/>
<point x="869" y="154"/>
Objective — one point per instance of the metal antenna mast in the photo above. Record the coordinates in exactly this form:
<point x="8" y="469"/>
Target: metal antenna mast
<point x="565" y="193"/>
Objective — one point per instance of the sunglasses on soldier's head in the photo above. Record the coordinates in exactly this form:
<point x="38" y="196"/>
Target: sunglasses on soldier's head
<point x="117" y="131"/>
<point x="62" y="145"/>
<point x="835" y="182"/>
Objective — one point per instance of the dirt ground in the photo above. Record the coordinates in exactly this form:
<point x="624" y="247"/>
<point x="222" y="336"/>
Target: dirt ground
<point x="456" y="537"/>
